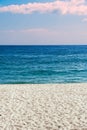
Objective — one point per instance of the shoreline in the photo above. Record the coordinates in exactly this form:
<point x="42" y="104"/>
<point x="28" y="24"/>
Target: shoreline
<point x="43" y="106"/>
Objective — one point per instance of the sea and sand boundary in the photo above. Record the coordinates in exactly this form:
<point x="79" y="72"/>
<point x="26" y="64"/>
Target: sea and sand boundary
<point x="43" y="106"/>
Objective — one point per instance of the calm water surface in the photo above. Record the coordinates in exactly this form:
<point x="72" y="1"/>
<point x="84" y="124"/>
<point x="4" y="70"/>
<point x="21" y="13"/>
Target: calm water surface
<point x="43" y="64"/>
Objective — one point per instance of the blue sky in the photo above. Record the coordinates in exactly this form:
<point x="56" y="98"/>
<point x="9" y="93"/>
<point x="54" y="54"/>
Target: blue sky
<point x="9" y="2"/>
<point x="43" y="22"/>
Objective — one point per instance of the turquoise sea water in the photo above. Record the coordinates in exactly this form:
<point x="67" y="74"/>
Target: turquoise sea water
<point x="43" y="64"/>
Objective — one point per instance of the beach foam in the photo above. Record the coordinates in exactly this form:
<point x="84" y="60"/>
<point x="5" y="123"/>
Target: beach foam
<point x="43" y="107"/>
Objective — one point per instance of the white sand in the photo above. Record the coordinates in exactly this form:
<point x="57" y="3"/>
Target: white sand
<point x="43" y="107"/>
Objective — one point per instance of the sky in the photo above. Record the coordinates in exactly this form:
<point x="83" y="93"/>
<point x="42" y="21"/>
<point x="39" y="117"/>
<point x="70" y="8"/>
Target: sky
<point x="31" y="22"/>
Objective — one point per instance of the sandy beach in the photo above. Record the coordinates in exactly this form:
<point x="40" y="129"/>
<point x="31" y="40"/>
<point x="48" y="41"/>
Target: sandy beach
<point x="43" y="107"/>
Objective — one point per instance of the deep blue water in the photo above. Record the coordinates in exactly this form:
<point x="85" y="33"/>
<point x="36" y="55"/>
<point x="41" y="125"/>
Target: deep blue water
<point x="43" y="64"/>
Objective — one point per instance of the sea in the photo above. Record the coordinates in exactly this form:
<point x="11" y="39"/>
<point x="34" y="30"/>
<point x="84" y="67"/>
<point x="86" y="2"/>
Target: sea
<point x="42" y="64"/>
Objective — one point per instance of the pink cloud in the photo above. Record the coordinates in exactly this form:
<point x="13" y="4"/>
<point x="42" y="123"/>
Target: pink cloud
<point x="77" y="7"/>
